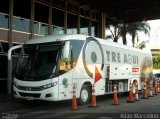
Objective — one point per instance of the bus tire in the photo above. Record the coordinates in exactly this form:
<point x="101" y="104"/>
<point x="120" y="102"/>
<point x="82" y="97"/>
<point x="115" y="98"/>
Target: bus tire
<point x="85" y="95"/>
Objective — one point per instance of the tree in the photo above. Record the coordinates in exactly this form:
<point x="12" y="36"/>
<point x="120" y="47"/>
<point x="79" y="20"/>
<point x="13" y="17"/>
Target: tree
<point x="115" y="32"/>
<point x="121" y="30"/>
<point x="156" y="62"/>
<point x="134" y="27"/>
<point x="124" y="30"/>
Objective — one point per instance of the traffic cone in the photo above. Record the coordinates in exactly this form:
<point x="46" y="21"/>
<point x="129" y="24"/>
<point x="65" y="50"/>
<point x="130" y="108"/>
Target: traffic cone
<point x="145" y="91"/>
<point x="74" y="100"/>
<point x="115" y="102"/>
<point x="158" y="86"/>
<point x="137" y="98"/>
<point x="130" y="99"/>
<point x="150" y="89"/>
<point x="155" y="88"/>
<point x="93" y="99"/>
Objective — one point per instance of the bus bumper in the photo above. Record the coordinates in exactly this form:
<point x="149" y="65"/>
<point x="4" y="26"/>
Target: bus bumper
<point x="49" y="94"/>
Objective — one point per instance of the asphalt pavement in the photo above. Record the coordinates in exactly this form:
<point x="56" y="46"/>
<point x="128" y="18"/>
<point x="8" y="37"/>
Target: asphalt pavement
<point x="11" y="108"/>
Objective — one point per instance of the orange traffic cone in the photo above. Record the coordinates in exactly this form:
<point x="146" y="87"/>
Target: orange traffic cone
<point x="137" y="98"/>
<point x="93" y="99"/>
<point x="158" y="86"/>
<point x="155" y="88"/>
<point x="150" y="89"/>
<point x="130" y="99"/>
<point x="115" y="102"/>
<point x="145" y="91"/>
<point x="74" y="100"/>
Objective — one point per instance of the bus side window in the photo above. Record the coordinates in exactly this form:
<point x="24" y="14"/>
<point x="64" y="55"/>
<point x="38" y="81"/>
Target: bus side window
<point x="65" y="60"/>
<point x="65" y="65"/>
<point x="70" y="53"/>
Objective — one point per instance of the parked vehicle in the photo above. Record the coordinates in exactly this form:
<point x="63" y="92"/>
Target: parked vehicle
<point x="155" y="77"/>
<point x="48" y="67"/>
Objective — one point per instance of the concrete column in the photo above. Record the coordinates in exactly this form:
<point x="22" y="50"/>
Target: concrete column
<point x="50" y="19"/>
<point x="90" y="26"/>
<point x="32" y="19"/>
<point x="10" y="39"/>
<point x="65" y="18"/>
<point x="102" y="25"/>
<point x="78" y="22"/>
<point x="10" y="35"/>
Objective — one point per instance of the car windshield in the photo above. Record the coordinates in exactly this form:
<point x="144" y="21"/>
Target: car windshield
<point x="37" y="61"/>
<point x="157" y="75"/>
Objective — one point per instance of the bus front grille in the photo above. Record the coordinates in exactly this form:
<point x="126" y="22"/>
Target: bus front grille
<point x="35" y="95"/>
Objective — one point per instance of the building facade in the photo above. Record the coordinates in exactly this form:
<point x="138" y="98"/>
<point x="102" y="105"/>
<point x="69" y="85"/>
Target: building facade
<point x="21" y="20"/>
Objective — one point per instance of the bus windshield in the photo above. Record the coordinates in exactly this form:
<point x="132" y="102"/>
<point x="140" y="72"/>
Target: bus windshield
<point x="47" y="60"/>
<point x="38" y="61"/>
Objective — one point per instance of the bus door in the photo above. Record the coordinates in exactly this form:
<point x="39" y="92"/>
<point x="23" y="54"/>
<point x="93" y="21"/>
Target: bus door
<point x="65" y="86"/>
<point x="109" y="85"/>
<point x="65" y="73"/>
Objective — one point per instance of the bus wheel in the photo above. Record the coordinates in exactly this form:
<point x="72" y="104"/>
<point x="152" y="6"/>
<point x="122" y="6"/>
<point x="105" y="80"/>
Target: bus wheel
<point x="85" y="95"/>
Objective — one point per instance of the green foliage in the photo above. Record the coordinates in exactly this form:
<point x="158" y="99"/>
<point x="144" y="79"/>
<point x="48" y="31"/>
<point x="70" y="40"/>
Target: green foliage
<point x="156" y="62"/>
<point x="121" y="30"/>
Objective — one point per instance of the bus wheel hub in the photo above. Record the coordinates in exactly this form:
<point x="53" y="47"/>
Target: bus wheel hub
<point x="84" y="95"/>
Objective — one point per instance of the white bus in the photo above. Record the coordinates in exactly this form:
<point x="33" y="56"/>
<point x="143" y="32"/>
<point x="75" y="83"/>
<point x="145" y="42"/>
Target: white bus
<point x="48" y="67"/>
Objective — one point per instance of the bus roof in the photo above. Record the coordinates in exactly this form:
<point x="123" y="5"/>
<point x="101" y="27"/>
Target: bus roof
<point x="53" y="38"/>
<point x="118" y="45"/>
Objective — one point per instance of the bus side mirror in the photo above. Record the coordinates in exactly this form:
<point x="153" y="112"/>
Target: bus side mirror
<point x="66" y="50"/>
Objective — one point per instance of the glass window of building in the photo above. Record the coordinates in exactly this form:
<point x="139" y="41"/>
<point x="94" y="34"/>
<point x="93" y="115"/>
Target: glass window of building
<point x="41" y="12"/>
<point x="58" y="30"/>
<point x="41" y="19"/>
<point x="3" y="64"/>
<point x="22" y="8"/>
<point x="4" y="10"/>
<point x="94" y="28"/>
<point x="3" y="20"/>
<point x="58" y="21"/>
<point x="4" y="6"/>
<point x="21" y="24"/>
<point x="4" y="47"/>
<point x="71" y="24"/>
<point x="84" y="26"/>
<point x="40" y="28"/>
<point x="21" y="15"/>
<point x="59" y="4"/>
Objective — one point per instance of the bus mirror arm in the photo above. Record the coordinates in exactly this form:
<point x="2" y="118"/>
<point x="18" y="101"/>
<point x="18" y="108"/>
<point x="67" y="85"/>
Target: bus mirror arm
<point x="66" y="50"/>
<point x="11" y="49"/>
<point x="9" y="82"/>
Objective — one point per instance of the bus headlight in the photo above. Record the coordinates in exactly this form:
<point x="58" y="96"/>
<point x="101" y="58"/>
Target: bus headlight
<point x="15" y="84"/>
<point x="31" y="88"/>
<point x="49" y="85"/>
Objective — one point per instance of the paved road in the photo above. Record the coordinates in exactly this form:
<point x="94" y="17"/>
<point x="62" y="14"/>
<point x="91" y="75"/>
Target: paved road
<point x="11" y="108"/>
